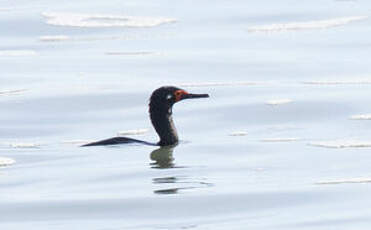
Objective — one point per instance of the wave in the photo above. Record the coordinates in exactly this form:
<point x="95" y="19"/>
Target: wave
<point x="4" y="161"/>
<point x="126" y="37"/>
<point x="339" y="82"/>
<point x="23" y="145"/>
<point x="238" y="133"/>
<point x="102" y="20"/>
<point x="54" y="38"/>
<point x="278" y="102"/>
<point x="5" y="9"/>
<point x="133" y="53"/>
<point x="281" y="139"/>
<point x="132" y="132"/>
<point x="16" y="53"/>
<point x="77" y="142"/>
<point x="208" y="84"/>
<point x="342" y="144"/>
<point x="319" y="24"/>
<point x="12" y="92"/>
<point x="346" y="181"/>
<point x="361" y="117"/>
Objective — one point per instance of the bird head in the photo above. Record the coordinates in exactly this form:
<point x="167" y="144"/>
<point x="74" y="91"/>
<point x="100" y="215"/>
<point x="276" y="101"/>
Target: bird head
<point x="167" y="96"/>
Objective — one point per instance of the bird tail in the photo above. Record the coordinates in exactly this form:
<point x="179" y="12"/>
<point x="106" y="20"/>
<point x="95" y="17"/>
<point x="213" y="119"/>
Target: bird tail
<point x="118" y="140"/>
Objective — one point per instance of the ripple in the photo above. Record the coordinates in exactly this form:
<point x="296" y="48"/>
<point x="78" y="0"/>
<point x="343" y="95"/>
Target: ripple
<point x="23" y="145"/>
<point x="6" y="9"/>
<point x="238" y="133"/>
<point x="361" y="117"/>
<point x="339" y="82"/>
<point x="4" y="161"/>
<point x="55" y="38"/>
<point x="89" y="38"/>
<point x="318" y="24"/>
<point x="77" y="142"/>
<point x="342" y="144"/>
<point x="134" y="53"/>
<point x="281" y="139"/>
<point x="346" y="181"/>
<point x="101" y="20"/>
<point x="11" y="92"/>
<point x="208" y="84"/>
<point x="278" y="102"/>
<point x="178" y="184"/>
<point x="133" y="132"/>
<point x="17" y="53"/>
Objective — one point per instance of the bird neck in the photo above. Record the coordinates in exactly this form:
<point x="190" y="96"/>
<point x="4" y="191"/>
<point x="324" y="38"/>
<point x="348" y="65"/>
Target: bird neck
<point x="162" y="121"/>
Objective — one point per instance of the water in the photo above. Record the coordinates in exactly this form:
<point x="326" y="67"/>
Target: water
<point x="282" y="143"/>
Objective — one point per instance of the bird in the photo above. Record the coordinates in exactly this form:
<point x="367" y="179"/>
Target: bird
<point x="160" y="111"/>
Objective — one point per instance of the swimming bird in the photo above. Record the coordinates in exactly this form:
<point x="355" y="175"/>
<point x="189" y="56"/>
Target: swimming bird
<point x="160" y="111"/>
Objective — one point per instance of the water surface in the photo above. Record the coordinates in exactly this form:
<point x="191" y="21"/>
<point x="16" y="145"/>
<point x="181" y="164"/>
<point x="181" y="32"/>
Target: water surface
<point x="282" y="143"/>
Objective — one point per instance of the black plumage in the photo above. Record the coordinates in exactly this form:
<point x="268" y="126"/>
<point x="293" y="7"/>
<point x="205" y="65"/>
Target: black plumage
<point x="160" y="110"/>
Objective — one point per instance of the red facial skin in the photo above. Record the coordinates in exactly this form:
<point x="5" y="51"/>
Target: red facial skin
<point x="178" y="94"/>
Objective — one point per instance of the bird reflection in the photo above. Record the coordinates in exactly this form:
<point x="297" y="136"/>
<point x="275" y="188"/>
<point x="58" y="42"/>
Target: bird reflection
<point x="163" y="159"/>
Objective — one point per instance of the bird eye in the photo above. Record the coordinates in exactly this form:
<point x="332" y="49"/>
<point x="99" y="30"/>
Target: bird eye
<point x="169" y="96"/>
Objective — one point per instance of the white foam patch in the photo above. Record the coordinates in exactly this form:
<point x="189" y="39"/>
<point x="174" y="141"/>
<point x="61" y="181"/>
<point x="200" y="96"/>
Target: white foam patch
<point x="342" y="144"/>
<point x="281" y="139"/>
<point x="17" y="53"/>
<point x="4" y="161"/>
<point x="339" y="82"/>
<point x="12" y="92"/>
<point x="102" y="20"/>
<point x="361" y="117"/>
<point x="212" y="84"/>
<point x="134" y="53"/>
<point x="132" y="132"/>
<point x="319" y="24"/>
<point x="278" y="102"/>
<point x="238" y="133"/>
<point x="54" y="38"/>
<point x="24" y="145"/>
<point x="346" y="181"/>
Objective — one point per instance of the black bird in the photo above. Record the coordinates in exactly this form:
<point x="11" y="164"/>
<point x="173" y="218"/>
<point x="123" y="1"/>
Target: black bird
<point x="160" y="111"/>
